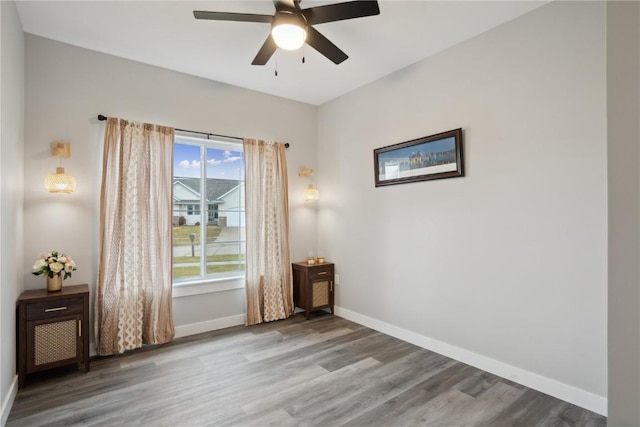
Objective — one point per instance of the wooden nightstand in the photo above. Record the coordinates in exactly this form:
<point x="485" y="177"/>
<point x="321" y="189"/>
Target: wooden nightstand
<point x="53" y="329"/>
<point x="313" y="286"/>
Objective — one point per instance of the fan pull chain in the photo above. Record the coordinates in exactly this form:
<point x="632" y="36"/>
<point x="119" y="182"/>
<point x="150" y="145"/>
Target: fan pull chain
<point x="276" y="64"/>
<point x="303" y="46"/>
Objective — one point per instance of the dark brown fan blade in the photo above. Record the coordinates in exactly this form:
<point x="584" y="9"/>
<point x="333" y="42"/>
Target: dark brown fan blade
<point x="324" y="46"/>
<point x="226" y="16"/>
<point x="265" y="52"/>
<point x="341" y="11"/>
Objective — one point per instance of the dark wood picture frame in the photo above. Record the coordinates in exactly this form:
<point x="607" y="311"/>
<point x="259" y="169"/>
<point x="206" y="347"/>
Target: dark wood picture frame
<point x="430" y="157"/>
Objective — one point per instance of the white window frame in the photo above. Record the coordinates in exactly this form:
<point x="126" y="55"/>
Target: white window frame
<point x="203" y="283"/>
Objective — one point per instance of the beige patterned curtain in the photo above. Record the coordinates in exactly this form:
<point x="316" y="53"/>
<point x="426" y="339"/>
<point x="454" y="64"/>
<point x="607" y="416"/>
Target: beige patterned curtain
<point x="133" y="302"/>
<point x="269" y="289"/>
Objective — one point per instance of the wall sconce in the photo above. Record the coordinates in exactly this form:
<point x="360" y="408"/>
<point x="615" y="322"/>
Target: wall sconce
<point x="310" y="194"/>
<point x="59" y="181"/>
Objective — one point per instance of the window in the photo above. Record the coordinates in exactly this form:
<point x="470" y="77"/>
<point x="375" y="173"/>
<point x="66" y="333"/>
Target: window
<point x="193" y="209"/>
<point x="208" y="206"/>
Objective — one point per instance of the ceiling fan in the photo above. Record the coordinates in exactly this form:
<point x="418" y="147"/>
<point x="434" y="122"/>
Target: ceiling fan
<point x="291" y="26"/>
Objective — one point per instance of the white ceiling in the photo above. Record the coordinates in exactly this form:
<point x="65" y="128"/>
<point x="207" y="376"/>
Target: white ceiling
<point x="165" y="34"/>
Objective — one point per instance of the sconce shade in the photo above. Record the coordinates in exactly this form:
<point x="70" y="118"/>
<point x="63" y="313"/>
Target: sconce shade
<point x="60" y="182"/>
<point x="310" y="194"/>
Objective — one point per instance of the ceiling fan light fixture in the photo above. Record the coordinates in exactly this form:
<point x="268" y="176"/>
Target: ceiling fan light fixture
<point x="289" y="30"/>
<point x="292" y="26"/>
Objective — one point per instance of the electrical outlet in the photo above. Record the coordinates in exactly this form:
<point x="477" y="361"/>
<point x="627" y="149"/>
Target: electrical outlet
<point x="337" y="279"/>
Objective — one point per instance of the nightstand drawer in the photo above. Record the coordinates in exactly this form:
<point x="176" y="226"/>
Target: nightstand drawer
<point x="320" y="272"/>
<point x="55" y="308"/>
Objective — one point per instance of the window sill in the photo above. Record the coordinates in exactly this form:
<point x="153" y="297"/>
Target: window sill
<point x="208" y="286"/>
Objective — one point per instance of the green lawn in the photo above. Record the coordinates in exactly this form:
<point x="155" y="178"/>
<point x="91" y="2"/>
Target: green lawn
<point x="181" y="238"/>
<point x="210" y="258"/>
<point x="211" y="269"/>
<point x="181" y="234"/>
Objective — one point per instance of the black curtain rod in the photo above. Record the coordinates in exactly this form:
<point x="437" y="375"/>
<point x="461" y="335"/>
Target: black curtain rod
<point x="102" y="118"/>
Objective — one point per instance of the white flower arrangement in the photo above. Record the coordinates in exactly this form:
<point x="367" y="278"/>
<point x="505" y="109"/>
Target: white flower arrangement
<point x="52" y="263"/>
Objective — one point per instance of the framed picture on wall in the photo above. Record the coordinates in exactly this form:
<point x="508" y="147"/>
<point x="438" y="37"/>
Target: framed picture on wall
<point x="430" y="157"/>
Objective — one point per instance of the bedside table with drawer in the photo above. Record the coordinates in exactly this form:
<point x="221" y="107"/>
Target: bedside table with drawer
<point x="53" y="329"/>
<point x="313" y="286"/>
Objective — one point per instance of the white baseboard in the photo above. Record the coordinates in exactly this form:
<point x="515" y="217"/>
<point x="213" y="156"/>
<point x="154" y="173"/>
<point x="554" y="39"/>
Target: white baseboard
<point x="196" y="328"/>
<point x="209" y="325"/>
<point x="8" y="401"/>
<point x="529" y="379"/>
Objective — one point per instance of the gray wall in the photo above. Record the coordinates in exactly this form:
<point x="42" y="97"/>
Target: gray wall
<point x="67" y="86"/>
<point x="11" y="193"/>
<point x="506" y="267"/>
<point x="623" y="114"/>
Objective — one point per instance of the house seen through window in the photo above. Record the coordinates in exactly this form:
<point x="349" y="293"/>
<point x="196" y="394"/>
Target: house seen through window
<point x="208" y="209"/>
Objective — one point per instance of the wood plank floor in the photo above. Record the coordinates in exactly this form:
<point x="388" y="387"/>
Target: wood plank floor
<point x="327" y="371"/>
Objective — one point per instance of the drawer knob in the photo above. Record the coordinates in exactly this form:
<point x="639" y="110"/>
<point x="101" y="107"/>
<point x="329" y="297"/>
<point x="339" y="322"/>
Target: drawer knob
<point x="48" y="310"/>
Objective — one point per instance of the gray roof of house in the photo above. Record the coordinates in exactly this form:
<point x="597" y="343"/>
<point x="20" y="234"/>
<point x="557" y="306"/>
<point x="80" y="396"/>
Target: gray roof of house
<point x="215" y="187"/>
